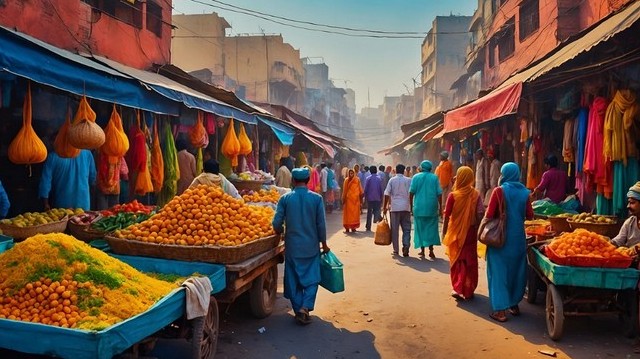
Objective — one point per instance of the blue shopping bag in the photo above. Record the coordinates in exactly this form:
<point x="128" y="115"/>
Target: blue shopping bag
<point x="331" y="276"/>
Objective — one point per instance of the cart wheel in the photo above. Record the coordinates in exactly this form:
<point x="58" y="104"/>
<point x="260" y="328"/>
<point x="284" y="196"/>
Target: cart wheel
<point x="205" y="333"/>
<point x="262" y="295"/>
<point x="628" y="300"/>
<point x="554" y="312"/>
<point x="532" y="285"/>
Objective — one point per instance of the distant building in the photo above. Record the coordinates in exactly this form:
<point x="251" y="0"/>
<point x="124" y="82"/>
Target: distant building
<point x="443" y="61"/>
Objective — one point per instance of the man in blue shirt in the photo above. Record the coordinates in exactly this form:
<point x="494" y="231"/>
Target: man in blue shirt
<point x="373" y="193"/>
<point x="300" y="215"/>
<point x="68" y="181"/>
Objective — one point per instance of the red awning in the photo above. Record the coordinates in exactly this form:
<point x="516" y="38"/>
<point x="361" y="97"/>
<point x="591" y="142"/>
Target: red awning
<point x="433" y="133"/>
<point x="496" y="104"/>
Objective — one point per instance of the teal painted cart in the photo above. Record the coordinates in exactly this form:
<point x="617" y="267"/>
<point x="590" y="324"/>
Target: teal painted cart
<point x="583" y="291"/>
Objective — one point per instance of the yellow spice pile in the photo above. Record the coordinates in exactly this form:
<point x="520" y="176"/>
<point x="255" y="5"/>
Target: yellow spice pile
<point x="58" y="280"/>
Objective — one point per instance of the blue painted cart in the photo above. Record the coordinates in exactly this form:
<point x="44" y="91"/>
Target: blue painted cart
<point x="42" y="339"/>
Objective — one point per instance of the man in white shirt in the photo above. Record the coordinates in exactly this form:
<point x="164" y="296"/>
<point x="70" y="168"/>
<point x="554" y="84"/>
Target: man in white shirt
<point x="283" y="175"/>
<point x="494" y="174"/>
<point x="396" y="199"/>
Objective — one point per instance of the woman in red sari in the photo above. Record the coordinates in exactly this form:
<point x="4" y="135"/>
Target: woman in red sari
<point x="463" y="213"/>
<point x="351" y="202"/>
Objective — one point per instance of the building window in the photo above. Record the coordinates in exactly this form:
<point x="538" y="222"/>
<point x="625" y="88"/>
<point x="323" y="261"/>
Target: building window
<point x="506" y="40"/>
<point x="491" y="50"/>
<point x="154" y="18"/>
<point x="529" y="18"/>
<point x="126" y="11"/>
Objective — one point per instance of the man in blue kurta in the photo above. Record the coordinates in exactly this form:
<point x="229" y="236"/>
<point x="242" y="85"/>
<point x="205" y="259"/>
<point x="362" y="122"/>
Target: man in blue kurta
<point x="67" y="181"/>
<point x="300" y="215"/>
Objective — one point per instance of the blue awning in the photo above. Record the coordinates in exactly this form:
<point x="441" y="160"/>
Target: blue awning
<point x="283" y="132"/>
<point x="28" y="57"/>
<point x="178" y="92"/>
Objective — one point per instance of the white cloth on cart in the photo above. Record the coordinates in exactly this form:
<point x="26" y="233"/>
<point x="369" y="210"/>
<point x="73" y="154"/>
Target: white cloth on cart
<point x="198" y="296"/>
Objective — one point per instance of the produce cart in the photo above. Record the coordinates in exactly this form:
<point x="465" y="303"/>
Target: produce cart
<point x="584" y="291"/>
<point x="167" y="312"/>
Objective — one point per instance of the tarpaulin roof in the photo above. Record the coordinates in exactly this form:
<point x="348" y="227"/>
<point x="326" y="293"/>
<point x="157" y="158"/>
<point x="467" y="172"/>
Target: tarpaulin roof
<point x="436" y="132"/>
<point x="284" y="133"/>
<point x="411" y="139"/>
<point x="28" y="57"/>
<point x="179" y="92"/>
<point x="496" y="104"/>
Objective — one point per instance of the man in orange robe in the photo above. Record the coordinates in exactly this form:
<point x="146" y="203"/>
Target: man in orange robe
<point x="444" y="171"/>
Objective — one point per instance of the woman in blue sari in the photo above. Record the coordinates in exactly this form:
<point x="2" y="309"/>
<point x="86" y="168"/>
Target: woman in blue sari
<point x="507" y="266"/>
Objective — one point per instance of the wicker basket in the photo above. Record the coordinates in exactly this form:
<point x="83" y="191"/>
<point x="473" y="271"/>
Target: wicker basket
<point x="209" y="254"/>
<point x="248" y="185"/>
<point x="22" y="233"/>
<point x="606" y="229"/>
<point x="560" y="224"/>
<point x="84" y="232"/>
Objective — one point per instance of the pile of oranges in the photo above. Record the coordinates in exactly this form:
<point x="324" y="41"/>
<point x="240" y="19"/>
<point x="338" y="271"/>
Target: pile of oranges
<point x="43" y="301"/>
<point x="271" y="196"/>
<point x="203" y="215"/>
<point x="585" y="243"/>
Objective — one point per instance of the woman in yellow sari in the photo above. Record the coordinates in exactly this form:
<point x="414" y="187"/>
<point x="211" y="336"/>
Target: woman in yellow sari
<point x="463" y="212"/>
<point x="351" y="202"/>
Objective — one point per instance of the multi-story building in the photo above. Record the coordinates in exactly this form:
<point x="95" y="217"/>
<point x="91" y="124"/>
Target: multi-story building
<point x="443" y="61"/>
<point x="519" y="32"/>
<point x="390" y="118"/>
<point x="269" y="68"/>
<point x="203" y="35"/>
<point x="97" y="27"/>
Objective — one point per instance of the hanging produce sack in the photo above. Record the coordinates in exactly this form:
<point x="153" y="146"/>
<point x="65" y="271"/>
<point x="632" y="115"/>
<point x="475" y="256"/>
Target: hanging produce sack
<point x="84" y="133"/>
<point x="116" y="143"/>
<point x="230" y="145"/>
<point x="198" y="135"/>
<point x="137" y="160"/>
<point x="245" y="142"/>
<point x="331" y="274"/>
<point x="61" y="144"/>
<point x="143" y="183"/>
<point x="157" y="164"/>
<point x="27" y="148"/>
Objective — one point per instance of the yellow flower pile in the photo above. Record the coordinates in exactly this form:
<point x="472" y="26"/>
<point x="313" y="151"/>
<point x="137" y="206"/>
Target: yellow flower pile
<point x="58" y="280"/>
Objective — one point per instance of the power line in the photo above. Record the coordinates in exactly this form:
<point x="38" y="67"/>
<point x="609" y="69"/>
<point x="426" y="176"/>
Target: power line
<point x="378" y="34"/>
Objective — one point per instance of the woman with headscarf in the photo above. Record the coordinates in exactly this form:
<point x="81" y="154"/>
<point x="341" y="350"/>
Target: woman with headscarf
<point x="351" y="202"/>
<point x="507" y="266"/>
<point x="462" y="215"/>
<point x="425" y="197"/>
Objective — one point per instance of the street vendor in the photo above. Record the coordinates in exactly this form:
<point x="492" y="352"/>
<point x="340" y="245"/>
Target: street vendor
<point x="66" y="182"/>
<point x="211" y="176"/>
<point x="554" y="181"/>
<point x="629" y="234"/>
<point x="300" y="215"/>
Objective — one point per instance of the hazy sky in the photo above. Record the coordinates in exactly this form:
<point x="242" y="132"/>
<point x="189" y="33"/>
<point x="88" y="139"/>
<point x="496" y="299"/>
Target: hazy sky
<point x="383" y="67"/>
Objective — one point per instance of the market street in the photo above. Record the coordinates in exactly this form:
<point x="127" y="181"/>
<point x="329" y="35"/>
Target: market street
<point x="401" y="308"/>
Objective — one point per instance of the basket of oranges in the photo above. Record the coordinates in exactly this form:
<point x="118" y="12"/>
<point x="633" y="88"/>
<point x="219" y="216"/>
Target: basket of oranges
<point x="583" y="248"/>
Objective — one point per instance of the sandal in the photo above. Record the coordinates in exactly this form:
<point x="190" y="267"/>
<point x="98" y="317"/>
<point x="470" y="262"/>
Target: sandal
<point x="515" y="310"/>
<point x="457" y="296"/>
<point x="499" y="316"/>
<point x="431" y="255"/>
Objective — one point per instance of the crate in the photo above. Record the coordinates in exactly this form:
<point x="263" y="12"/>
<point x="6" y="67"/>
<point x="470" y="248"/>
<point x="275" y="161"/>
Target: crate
<point x="606" y="278"/>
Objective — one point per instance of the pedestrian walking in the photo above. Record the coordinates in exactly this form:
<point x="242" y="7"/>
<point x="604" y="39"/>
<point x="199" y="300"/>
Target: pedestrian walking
<point x="444" y="171"/>
<point x="327" y="179"/>
<point x="396" y="201"/>
<point x="351" y="202"/>
<point x="373" y="194"/>
<point x="462" y="216"/>
<point x="507" y="266"/>
<point x="425" y="196"/>
<point x="300" y="216"/>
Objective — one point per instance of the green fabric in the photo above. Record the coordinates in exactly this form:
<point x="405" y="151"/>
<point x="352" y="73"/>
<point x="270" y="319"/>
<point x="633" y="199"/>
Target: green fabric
<point x="171" y="170"/>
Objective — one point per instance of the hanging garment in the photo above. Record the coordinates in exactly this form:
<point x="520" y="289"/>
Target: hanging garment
<point x="594" y="162"/>
<point x="581" y="137"/>
<point x="619" y="118"/>
<point x="568" y="152"/>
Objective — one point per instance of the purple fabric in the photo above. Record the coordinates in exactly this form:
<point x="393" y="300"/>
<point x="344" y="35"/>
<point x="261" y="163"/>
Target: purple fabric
<point x="554" y="185"/>
<point x="373" y="189"/>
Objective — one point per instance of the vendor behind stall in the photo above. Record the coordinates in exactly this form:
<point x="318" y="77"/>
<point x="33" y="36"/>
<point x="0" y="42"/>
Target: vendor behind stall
<point x="554" y="181"/>
<point x="212" y="177"/>
<point x="68" y="181"/>
<point x="630" y="232"/>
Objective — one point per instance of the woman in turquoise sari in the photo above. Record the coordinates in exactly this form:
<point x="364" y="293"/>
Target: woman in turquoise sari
<point x="507" y="266"/>
<point x="425" y="198"/>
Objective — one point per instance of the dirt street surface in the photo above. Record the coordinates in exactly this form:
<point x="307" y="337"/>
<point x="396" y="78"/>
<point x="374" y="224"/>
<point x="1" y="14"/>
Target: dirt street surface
<point x="401" y="308"/>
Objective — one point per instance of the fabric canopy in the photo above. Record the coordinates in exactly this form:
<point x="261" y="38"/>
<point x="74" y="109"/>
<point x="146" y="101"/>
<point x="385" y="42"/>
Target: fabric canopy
<point x="331" y="152"/>
<point x="28" y="57"/>
<point x="283" y="132"/>
<point x="431" y="134"/>
<point x="496" y="104"/>
<point x="178" y="92"/>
